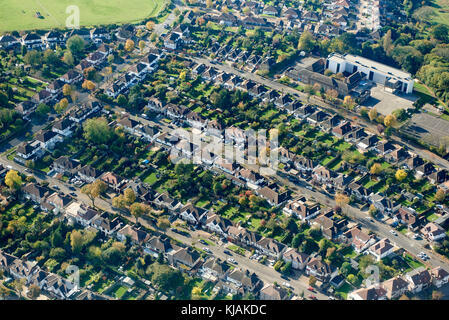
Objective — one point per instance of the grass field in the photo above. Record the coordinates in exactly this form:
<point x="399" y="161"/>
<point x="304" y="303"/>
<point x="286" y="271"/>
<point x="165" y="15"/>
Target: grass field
<point x="441" y="9"/>
<point x="20" y="15"/>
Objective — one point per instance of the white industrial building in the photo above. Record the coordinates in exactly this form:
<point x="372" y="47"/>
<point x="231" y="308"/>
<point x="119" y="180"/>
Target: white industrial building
<point x="393" y="79"/>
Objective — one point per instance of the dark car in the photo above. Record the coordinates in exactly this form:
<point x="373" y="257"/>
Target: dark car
<point x="283" y="276"/>
<point x="72" y="188"/>
<point x="227" y="252"/>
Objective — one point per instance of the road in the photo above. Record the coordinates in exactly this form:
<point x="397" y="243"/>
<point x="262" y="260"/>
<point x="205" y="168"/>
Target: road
<point x="370" y="127"/>
<point x="265" y="273"/>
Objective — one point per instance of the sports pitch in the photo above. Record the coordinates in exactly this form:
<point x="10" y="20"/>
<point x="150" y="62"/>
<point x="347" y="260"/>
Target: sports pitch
<point x="21" y="14"/>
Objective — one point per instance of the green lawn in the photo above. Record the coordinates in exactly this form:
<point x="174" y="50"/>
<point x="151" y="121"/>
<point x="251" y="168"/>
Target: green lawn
<point x="151" y="179"/>
<point x="120" y="292"/>
<point x="441" y="10"/>
<point x="20" y="15"/>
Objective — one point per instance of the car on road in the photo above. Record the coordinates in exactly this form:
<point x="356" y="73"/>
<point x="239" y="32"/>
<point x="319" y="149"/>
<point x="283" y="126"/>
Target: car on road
<point x="232" y="260"/>
<point x="203" y="242"/>
<point x="283" y="276"/>
<point x="55" y="187"/>
<point x="206" y="249"/>
<point x="309" y="188"/>
<point x="393" y="232"/>
<point x="312" y="297"/>
<point x="28" y="170"/>
<point x="143" y="115"/>
<point x="71" y="188"/>
<point x="227" y="252"/>
<point x="286" y="284"/>
<point x="9" y="167"/>
<point x="311" y="289"/>
<point x="73" y="194"/>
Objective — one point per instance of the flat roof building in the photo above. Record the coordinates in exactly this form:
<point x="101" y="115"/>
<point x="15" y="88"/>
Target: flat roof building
<point x="393" y="79"/>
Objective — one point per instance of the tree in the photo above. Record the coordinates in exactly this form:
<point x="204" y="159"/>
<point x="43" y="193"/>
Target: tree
<point x="64" y="103"/>
<point x="312" y="281"/>
<point x="34" y="291"/>
<point x="142" y="45"/>
<point x="139" y="209"/>
<point x="94" y="190"/>
<point x="388" y="43"/>
<point x="97" y="130"/>
<point x="372" y="210"/>
<point x="341" y="199"/>
<point x="67" y="90"/>
<point x="33" y="58"/>
<point x="13" y="180"/>
<point x="76" y="241"/>
<point x="88" y="85"/>
<point x="400" y="175"/>
<point x="163" y="223"/>
<point x="76" y="45"/>
<point x="68" y="58"/>
<point x="389" y="120"/>
<point x="376" y="169"/>
<point x="306" y="42"/>
<point x="372" y="114"/>
<point x="348" y="102"/>
<point x="149" y="25"/>
<point x="18" y="285"/>
<point x="129" y="45"/>
<point x="331" y="95"/>
<point x="441" y="32"/>
<point x="130" y="196"/>
<point x="437" y="295"/>
<point x="440" y="195"/>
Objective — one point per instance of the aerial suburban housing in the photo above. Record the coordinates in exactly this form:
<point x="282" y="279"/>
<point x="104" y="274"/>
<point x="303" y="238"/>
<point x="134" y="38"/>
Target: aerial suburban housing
<point x="224" y="150"/>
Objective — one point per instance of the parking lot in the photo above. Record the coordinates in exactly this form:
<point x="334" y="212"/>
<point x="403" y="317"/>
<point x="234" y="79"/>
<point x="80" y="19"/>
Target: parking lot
<point x="386" y="102"/>
<point x="431" y="129"/>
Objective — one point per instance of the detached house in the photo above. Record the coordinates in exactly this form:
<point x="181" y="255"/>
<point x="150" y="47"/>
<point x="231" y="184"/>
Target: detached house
<point x="88" y="174"/>
<point x="418" y="279"/>
<point x="433" y="232"/>
<point x="381" y="249"/>
<point x="298" y="259"/>
<point x="192" y="214"/>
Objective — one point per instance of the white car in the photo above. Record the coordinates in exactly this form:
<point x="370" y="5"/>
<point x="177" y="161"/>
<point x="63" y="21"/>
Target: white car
<point x="286" y="284"/>
<point x="232" y="260"/>
<point x="206" y="249"/>
<point x="393" y="232"/>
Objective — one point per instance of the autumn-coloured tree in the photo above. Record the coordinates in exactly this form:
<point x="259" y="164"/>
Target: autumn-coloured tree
<point x="389" y="120"/>
<point x="400" y="175"/>
<point x="139" y="209"/>
<point x="372" y="114"/>
<point x="67" y="90"/>
<point x="129" y="45"/>
<point x="341" y="200"/>
<point x="440" y="195"/>
<point x="149" y="25"/>
<point x="348" y="102"/>
<point x="88" y="85"/>
<point x="94" y="190"/>
<point x="331" y="95"/>
<point x="13" y="180"/>
<point x="142" y="45"/>
<point x="376" y="169"/>
<point x="64" y="103"/>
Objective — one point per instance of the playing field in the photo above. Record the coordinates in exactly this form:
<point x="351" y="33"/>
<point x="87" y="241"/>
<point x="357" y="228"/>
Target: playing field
<point x="21" y="14"/>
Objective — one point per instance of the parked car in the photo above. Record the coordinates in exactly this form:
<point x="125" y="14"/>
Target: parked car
<point x="206" y="249"/>
<point x="227" y="252"/>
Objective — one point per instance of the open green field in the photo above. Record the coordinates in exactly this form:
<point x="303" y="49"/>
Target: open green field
<point x="20" y="15"/>
<point x="441" y="9"/>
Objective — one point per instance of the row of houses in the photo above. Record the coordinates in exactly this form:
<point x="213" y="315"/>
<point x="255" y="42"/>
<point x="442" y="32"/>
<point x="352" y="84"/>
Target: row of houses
<point x="53" y="38"/>
<point x="134" y="75"/>
<point x="51" y="284"/>
<point x="45" y="140"/>
<point x="412" y="282"/>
